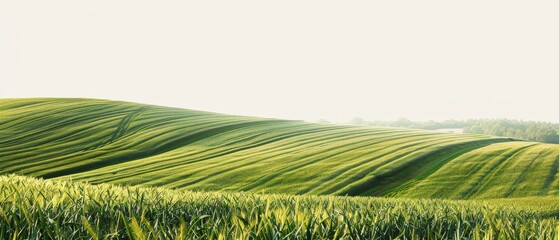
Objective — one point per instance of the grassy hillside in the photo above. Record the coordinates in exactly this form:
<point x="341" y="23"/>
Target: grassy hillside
<point x="44" y="209"/>
<point x="126" y="143"/>
<point x="500" y="170"/>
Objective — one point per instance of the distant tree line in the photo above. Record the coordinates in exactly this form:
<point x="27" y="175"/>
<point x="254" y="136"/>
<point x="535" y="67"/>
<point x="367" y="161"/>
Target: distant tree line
<point x="528" y="130"/>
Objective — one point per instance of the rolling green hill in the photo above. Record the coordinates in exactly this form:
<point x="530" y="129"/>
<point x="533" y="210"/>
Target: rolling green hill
<point x="102" y="141"/>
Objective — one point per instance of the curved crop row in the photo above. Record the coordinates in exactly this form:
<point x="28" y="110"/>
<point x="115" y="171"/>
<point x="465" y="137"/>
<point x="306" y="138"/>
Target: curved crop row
<point x="501" y="170"/>
<point x="103" y="141"/>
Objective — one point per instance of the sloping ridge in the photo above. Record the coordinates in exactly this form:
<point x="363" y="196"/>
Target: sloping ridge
<point x="404" y="176"/>
<point x="162" y="147"/>
<point x="127" y="143"/>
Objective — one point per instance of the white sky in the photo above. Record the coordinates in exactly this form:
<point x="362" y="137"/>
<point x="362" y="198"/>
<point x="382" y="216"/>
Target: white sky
<point x="291" y="59"/>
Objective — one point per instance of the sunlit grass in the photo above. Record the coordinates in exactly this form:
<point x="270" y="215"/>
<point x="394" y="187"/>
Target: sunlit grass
<point x="40" y="209"/>
<point x="102" y="141"/>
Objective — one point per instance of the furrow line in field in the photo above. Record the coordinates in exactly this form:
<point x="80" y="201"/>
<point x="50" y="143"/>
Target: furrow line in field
<point x="349" y="184"/>
<point x="421" y="167"/>
<point x="331" y="179"/>
<point x="234" y="163"/>
<point x="44" y="133"/>
<point x="166" y="165"/>
<point x="123" y="154"/>
<point x="181" y="161"/>
<point x="162" y="147"/>
<point x="121" y="129"/>
<point x="55" y="113"/>
<point x="490" y="171"/>
<point x="336" y="152"/>
<point x="550" y="177"/>
<point x="523" y="174"/>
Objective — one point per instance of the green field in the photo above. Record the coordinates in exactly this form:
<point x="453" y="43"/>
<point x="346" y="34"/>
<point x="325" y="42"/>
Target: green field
<point x="120" y="170"/>
<point x="44" y="209"/>
<point x="101" y="141"/>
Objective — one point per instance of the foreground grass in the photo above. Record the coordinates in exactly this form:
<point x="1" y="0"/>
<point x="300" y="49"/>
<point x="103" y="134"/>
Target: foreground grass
<point x="44" y="209"/>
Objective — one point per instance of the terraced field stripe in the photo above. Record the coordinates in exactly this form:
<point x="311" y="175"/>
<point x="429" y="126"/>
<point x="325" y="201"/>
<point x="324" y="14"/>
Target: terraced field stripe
<point x="293" y="164"/>
<point x="13" y="105"/>
<point x="259" y="154"/>
<point x="454" y="176"/>
<point x="60" y="144"/>
<point x="132" y="151"/>
<point x="22" y="117"/>
<point x="169" y="164"/>
<point x="76" y="136"/>
<point x="361" y="181"/>
<point x="218" y="165"/>
<point x="148" y="121"/>
<point x="43" y="133"/>
<point x="159" y="146"/>
<point x="121" y="130"/>
<point x="510" y="171"/>
<point x="408" y="175"/>
<point x="235" y="163"/>
<point x="139" y="142"/>
<point x="489" y="171"/>
<point x="166" y="167"/>
<point x="50" y="134"/>
<point x="335" y="179"/>
<point x="303" y="142"/>
<point x="40" y="117"/>
<point x="463" y="171"/>
<point x="551" y="177"/>
<point x="163" y="147"/>
<point x="333" y="151"/>
<point x="523" y="174"/>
